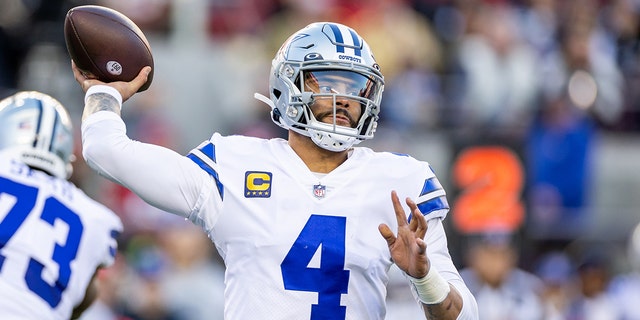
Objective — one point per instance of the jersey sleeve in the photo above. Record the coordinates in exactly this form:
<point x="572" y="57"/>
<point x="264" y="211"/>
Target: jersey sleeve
<point x="439" y="257"/>
<point x="423" y="186"/>
<point x="113" y="228"/>
<point x="432" y="199"/>
<point x="158" y="175"/>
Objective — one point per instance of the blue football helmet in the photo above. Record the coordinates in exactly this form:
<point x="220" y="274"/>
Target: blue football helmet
<point x="343" y="66"/>
<point x="38" y="128"/>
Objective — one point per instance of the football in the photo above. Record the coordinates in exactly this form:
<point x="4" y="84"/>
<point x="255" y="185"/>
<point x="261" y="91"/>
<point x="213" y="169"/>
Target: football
<point x="107" y="44"/>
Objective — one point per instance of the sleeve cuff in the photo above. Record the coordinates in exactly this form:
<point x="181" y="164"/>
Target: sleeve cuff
<point x="100" y="88"/>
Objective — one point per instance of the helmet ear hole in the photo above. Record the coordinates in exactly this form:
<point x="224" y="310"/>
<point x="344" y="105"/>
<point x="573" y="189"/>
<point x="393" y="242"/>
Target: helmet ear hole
<point x="277" y="93"/>
<point x="275" y="115"/>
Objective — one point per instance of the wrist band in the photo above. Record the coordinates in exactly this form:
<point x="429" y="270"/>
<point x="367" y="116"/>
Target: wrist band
<point x="432" y="288"/>
<point x="100" y="88"/>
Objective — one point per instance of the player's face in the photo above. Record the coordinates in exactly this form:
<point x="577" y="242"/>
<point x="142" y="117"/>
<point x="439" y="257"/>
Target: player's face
<point x="342" y="85"/>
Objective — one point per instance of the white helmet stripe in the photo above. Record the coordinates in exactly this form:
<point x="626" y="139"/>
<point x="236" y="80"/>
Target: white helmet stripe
<point x="36" y="140"/>
<point x="45" y="128"/>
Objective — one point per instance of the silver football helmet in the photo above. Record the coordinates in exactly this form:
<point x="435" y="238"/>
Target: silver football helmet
<point x="342" y="66"/>
<point x="38" y="128"/>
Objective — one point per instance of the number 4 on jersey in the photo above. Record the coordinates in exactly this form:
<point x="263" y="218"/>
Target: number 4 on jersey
<point x="330" y="280"/>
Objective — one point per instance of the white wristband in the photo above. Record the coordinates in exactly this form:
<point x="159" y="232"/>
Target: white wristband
<point x="101" y="88"/>
<point x="432" y="288"/>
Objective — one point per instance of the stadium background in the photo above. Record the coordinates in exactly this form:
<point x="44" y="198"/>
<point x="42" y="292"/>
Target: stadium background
<point x="529" y="112"/>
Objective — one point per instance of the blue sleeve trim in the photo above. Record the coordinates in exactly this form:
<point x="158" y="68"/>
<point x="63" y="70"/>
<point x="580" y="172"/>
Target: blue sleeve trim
<point x="210" y="171"/>
<point x="434" y="204"/>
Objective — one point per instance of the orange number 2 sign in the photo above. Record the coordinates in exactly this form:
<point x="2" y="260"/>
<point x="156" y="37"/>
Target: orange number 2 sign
<point x="490" y="180"/>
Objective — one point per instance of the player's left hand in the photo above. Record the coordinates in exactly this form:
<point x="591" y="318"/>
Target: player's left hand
<point x="408" y="249"/>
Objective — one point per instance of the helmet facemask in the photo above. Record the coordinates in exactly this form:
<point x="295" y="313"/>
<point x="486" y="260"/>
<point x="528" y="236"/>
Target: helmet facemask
<point x="336" y="88"/>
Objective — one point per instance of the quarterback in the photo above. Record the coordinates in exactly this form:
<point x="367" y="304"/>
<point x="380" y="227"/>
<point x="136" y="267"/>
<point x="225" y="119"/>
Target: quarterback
<point x="309" y="226"/>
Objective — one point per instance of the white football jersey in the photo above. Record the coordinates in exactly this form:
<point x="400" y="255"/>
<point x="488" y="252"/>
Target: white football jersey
<point x="303" y="246"/>
<point x="52" y="239"/>
<point x="296" y="245"/>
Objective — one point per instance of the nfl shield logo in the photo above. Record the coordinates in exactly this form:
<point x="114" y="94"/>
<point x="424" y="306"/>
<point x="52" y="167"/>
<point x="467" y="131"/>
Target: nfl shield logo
<point x="319" y="191"/>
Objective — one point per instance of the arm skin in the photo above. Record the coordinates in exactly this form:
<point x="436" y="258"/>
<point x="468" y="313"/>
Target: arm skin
<point x="100" y="102"/>
<point x="409" y="252"/>
<point x="450" y="308"/>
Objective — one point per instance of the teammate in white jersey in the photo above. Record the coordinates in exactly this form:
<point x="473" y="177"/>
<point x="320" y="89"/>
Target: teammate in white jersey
<point x="309" y="226"/>
<point x="53" y="237"/>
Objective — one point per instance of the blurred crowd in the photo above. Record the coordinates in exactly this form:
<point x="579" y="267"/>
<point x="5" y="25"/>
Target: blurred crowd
<point x="509" y="100"/>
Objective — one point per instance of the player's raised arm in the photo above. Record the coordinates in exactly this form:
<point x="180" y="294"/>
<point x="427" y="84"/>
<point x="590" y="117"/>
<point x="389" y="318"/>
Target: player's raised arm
<point x="158" y="175"/>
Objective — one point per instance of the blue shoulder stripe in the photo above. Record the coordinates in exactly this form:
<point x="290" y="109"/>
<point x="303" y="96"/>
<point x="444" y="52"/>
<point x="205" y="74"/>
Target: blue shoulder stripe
<point x="430" y="185"/>
<point x="209" y="170"/>
<point x="434" y="204"/>
<point x="209" y="150"/>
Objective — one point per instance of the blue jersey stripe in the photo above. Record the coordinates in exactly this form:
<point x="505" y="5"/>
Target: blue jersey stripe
<point x="431" y="205"/>
<point x="113" y="250"/>
<point x="430" y="185"/>
<point x="210" y="171"/>
<point x="338" y="34"/>
<point x="210" y="151"/>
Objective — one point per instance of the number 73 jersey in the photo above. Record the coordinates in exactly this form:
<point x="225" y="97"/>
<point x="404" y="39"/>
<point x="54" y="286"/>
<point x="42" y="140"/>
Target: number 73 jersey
<point x="53" y="237"/>
<point x="299" y="245"/>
